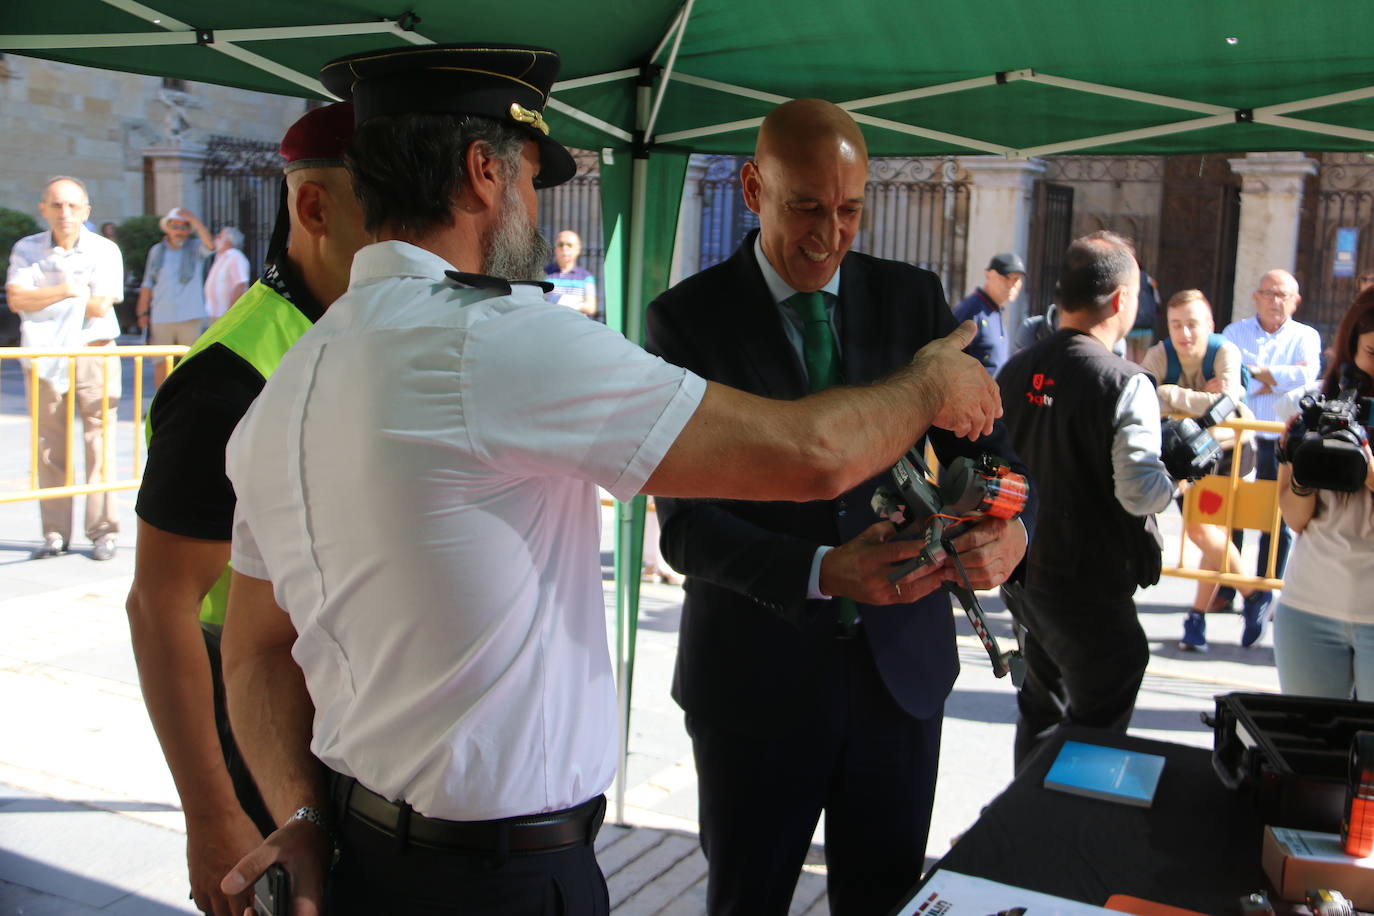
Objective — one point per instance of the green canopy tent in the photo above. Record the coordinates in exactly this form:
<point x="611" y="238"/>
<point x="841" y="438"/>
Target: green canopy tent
<point x="649" y="81"/>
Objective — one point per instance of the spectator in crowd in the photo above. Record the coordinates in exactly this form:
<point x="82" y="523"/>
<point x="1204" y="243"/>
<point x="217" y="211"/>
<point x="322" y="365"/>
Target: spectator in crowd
<point x="1087" y="423"/>
<point x="1194" y="366"/>
<point x="463" y="624"/>
<point x="809" y="682"/>
<point x="1365" y="279"/>
<point x="573" y="286"/>
<point x="1324" y="623"/>
<point x="171" y="302"/>
<point x="227" y="278"/>
<point x="1280" y="354"/>
<point x="64" y="284"/>
<point x="185" y="506"/>
<point x="985" y="307"/>
<point x="110" y="231"/>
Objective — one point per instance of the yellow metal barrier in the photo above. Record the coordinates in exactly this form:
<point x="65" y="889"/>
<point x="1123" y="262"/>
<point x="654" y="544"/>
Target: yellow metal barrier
<point x="139" y="353"/>
<point x="1233" y="503"/>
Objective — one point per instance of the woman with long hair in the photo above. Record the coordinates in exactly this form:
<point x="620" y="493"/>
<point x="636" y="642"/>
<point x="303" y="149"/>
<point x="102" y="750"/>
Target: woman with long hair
<point x="1324" y="625"/>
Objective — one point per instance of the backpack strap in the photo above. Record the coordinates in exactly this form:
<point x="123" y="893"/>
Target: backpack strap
<point x="1174" y="369"/>
<point x="1209" y="359"/>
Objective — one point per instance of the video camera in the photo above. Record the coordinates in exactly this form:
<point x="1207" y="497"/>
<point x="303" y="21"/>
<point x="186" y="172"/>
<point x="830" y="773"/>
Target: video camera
<point x="973" y="488"/>
<point x="1189" y="452"/>
<point x="1326" y="441"/>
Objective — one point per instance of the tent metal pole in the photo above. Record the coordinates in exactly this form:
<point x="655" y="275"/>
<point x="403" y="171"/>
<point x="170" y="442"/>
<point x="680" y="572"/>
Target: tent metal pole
<point x="257" y="61"/>
<point x="596" y="79"/>
<point x="1316" y="127"/>
<point x="634" y="293"/>
<point x="579" y="115"/>
<point x="730" y="88"/>
<point x="683" y="19"/>
<point x="189" y="37"/>
<point x="1145" y="133"/>
<point x="914" y="131"/>
<point x="1130" y="95"/>
<point x="1321" y="101"/>
<point x="978" y="82"/>
<point x="668" y="33"/>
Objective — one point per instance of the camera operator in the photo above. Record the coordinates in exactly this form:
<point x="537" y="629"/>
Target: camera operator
<point x="1324" y="626"/>
<point x="1194" y="366"/>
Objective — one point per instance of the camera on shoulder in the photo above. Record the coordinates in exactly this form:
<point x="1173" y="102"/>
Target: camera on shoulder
<point x="1326" y="442"/>
<point x="1188" y="450"/>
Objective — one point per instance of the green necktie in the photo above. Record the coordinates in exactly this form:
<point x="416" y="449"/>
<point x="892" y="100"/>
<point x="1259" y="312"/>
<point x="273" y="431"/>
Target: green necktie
<point x="818" y="343"/>
<point x="822" y="370"/>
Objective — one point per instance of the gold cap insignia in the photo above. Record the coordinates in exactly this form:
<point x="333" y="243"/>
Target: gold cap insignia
<point x="526" y="116"/>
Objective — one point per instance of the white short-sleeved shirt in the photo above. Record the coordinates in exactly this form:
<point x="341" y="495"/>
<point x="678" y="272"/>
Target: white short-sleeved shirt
<point x="35" y="262"/>
<point x="419" y="481"/>
<point x="229" y="269"/>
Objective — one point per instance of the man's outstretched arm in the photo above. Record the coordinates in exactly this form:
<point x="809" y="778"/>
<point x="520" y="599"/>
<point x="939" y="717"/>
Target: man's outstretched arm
<point x="742" y="446"/>
<point x="172" y="574"/>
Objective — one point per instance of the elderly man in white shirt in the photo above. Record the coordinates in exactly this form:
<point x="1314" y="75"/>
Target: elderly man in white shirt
<point x="64" y="283"/>
<point x="228" y="276"/>
<point x="453" y="671"/>
<point x="1282" y="354"/>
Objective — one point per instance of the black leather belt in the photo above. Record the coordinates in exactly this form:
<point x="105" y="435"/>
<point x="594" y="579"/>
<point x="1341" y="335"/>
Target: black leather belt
<point x="532" y="833"/>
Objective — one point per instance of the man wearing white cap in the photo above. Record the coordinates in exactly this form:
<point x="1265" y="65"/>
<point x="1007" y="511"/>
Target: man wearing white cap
<point x="171" y="302"/>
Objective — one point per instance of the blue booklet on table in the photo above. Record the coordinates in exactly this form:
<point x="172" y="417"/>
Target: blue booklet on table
<point x="1129" y="777"/>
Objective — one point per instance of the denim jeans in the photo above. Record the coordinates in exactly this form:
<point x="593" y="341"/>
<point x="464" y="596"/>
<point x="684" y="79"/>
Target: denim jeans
<point x="1322" y="657"/>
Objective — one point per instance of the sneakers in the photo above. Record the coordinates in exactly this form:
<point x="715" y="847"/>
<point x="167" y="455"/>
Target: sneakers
<point x="1194" y="632"/>
<point x="1254" y="610"/>
<point x="104" y="548"/>
<point x="53" y="545"/>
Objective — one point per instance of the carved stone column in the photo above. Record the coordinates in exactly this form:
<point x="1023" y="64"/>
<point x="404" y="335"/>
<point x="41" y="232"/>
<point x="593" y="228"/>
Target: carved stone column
<point x="174" y="170"/>
<point x="1270" y="210"/>
<point x="1001" y="193"/>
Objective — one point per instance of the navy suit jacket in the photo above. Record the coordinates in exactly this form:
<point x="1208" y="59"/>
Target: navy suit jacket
<point x="753" y="651"/>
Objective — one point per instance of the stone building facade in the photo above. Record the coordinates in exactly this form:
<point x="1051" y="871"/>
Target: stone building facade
<point x="136" y="141"/>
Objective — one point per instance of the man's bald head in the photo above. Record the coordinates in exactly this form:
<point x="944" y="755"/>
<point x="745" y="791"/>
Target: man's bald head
<point x="810" y="128"/>
<point x="806" y="182"/>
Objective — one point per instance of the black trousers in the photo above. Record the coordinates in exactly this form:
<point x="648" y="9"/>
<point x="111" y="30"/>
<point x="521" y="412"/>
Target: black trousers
<point x="1084" y="664"/>
<point x="860" y="757"/>
<point x="244" y="787"/>
<point x="378" y="873"/>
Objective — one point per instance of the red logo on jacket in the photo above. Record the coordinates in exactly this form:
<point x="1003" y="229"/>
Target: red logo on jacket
<point x="1039" y="382"/>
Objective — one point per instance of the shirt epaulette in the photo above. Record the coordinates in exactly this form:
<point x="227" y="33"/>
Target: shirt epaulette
<point x="483" y="281"/>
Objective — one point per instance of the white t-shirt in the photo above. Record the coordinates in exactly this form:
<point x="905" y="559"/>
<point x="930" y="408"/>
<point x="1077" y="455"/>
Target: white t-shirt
<point x="419" y="482"/>
<point x="35" y="262"/>
<point x="230" y="268"/>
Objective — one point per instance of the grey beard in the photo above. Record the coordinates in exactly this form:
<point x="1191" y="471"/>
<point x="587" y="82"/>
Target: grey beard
<point x="515" y="250"/>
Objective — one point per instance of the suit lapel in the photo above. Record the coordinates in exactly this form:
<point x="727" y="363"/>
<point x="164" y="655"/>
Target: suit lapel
<point x="861" y="319"/>
<point x="757" y="328"/>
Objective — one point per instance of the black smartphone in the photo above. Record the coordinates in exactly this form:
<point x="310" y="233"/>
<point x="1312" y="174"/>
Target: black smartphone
<point x="272" y="893"/>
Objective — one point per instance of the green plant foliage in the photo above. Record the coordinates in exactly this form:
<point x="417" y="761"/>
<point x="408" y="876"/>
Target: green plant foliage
<point x="135" y="236"/>
<point x="14" y="225"/>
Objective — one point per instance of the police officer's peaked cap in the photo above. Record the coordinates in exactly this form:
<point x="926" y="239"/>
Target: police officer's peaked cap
<point x="507" y="83"/>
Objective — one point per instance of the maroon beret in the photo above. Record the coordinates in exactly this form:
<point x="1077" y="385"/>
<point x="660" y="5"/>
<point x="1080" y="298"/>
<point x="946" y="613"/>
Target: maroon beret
<point x="319" y="139"/>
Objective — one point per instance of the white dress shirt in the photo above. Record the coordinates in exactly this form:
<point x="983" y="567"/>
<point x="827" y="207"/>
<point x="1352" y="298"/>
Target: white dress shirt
<point x="419" y="482"/>
<point x="1293" y="354"/>
<point x="228" y="270"/>
<point x="94" y="261"/>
